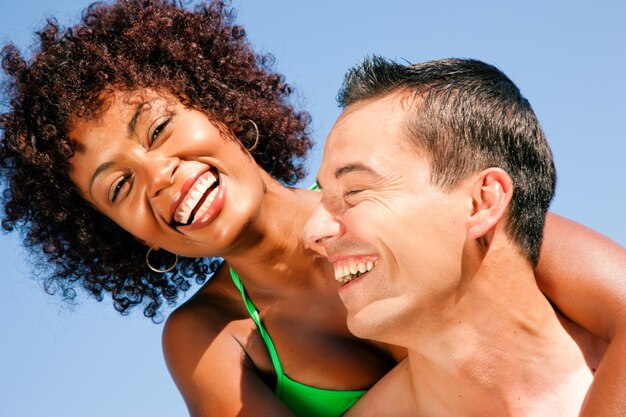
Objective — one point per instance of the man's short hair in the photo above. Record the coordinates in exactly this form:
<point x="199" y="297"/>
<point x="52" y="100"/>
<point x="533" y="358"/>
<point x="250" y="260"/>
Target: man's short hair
<point x="467" y="116"/>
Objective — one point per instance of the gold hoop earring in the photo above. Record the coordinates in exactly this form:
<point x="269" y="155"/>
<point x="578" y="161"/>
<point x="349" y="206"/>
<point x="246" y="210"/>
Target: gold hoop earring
<point x="160" y="271"/>
<point x="256" y="140"/>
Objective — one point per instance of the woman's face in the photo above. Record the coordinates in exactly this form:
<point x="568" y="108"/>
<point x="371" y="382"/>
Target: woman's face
<point x="166" y="173"/>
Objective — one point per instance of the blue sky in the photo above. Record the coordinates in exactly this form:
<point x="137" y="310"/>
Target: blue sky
<point x="567" y="57"/>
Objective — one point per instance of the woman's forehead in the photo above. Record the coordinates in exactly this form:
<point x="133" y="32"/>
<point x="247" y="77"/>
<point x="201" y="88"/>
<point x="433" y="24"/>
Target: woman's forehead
<point x="112" y="104"/>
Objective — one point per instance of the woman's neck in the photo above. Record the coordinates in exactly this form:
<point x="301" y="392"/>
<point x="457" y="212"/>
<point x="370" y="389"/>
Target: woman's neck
<point x="272" y="251"/>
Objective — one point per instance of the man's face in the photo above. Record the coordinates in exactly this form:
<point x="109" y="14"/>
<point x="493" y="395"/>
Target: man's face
<point x="392" y="237"/>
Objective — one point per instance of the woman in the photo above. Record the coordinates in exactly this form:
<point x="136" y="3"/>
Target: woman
<point x="148" y="131"/>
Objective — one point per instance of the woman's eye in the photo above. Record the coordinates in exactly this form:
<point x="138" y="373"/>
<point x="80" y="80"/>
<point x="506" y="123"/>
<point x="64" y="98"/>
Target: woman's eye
<point x="118" y="187"/>
<point x="158" y="130"/>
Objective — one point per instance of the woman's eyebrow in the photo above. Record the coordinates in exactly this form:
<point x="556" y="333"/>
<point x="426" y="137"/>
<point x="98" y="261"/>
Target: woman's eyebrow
<point x="140" y="108"/>
<point x="132" y="124"/>
<point x="101" y="168"/>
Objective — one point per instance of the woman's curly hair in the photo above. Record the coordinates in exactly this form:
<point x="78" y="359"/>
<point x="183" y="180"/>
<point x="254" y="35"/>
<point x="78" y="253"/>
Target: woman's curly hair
<point x="201" y="57"/>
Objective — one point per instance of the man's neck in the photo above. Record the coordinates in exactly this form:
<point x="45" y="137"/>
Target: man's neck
<point x="498" y="349"/>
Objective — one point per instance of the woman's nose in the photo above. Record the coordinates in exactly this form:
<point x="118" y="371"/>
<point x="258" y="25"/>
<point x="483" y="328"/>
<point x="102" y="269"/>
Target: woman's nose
<point x="160" y="173"/>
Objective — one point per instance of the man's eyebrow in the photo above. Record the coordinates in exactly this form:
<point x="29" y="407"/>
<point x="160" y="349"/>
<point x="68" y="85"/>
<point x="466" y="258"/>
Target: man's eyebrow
<point x="346" y="169"/>
<point x="353" y="167"/>
<point x="101" y="168"/>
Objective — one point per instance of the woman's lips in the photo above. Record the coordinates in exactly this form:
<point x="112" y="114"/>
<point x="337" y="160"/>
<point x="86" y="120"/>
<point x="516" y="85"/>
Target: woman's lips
<point x="209" y="209"/>
<point x="195" y="193"/>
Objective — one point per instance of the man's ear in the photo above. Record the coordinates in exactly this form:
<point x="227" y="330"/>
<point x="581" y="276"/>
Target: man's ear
<point x="491" y="192"/>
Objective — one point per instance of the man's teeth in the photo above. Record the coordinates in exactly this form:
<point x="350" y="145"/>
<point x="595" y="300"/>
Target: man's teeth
<point x="193" y="197"/>
<point x="347" y="272"/>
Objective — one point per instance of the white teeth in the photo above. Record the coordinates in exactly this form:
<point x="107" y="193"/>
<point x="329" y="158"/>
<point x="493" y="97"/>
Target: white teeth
<point x="347" y="272"/>
<point x="184" y="211"/>
<point x="193" y="197"/>
<point x="205" y="206"/>
<point x="338" y="274"/>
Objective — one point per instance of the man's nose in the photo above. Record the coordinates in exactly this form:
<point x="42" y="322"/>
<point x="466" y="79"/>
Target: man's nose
<point x="322" y="228"/>
<point x="159" y="172"/>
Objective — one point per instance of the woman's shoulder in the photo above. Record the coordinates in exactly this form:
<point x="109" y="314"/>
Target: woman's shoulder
<point x="205" y="333"/>
<point x="206" y="314"/>
<point x="211" y="346"/>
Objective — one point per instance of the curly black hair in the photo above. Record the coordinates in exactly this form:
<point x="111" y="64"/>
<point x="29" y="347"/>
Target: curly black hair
<point x="200" y="56"/>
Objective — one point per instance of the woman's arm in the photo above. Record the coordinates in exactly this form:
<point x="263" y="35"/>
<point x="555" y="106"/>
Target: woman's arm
<point x="584" y="274"/>
<point x="212" y="370"/>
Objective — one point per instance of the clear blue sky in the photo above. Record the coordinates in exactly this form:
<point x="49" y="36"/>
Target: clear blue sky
<point x="568" y="58"/>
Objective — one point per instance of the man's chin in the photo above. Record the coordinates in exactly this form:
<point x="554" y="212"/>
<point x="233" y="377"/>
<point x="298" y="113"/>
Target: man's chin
<point x="366" y="326"/>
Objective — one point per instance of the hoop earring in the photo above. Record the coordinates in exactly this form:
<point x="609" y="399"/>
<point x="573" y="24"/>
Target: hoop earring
<point x="160" y="271"/>
<point x="256" y="140"/>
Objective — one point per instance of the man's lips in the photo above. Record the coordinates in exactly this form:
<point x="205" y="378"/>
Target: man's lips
<point x="351" y="267"/>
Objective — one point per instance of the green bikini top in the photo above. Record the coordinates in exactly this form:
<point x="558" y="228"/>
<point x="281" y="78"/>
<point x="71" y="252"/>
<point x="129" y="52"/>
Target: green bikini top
<point x="303" y="400"/>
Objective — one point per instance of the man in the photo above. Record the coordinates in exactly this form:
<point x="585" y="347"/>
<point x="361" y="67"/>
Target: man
<point x="436" y="181"/>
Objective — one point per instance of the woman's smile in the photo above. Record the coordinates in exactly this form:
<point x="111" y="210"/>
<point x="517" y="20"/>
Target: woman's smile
<point x="155" y="166"/>
<point x="201" y="203"/>
<point x="196" y="196"/>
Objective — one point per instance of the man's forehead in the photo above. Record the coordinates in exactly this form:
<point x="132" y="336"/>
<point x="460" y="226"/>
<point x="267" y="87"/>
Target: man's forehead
<point x="353" y="120"/>
<point x="369" y="124"/>
<point x="368" y="131"/>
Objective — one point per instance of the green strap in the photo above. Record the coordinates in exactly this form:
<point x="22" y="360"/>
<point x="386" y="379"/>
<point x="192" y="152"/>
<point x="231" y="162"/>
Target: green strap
<point x="303" y="400"/>
<point x="266" y="337"/>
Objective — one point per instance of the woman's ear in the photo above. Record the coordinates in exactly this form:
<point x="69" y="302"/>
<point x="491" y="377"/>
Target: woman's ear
<point x="491" y="192"/>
